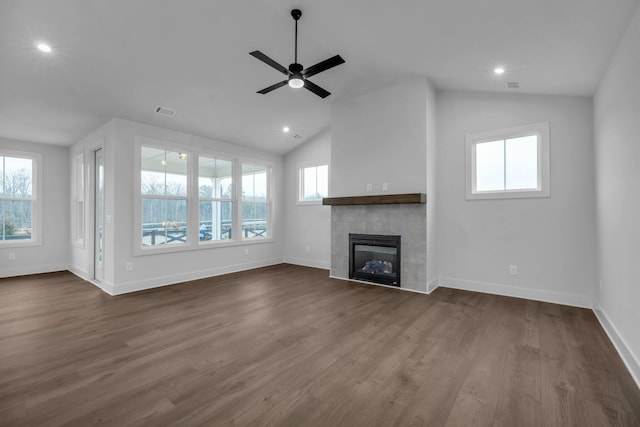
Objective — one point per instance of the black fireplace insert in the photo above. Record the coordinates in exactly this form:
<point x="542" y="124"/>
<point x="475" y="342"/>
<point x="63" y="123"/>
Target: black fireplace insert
<point x="375" y="258"/>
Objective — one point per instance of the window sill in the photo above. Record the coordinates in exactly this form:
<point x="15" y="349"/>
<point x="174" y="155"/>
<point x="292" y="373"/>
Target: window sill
<point x="149" y="250"/>
<point x="508" y="195"/>
<point x="5" y="244"/>
<point x="309" y="202"/>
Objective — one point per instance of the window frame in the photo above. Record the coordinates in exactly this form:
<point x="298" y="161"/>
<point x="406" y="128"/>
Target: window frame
<point x="543" y="166"/>
<point x="268" y="167"/>
<point x="187" y="197"/>
<point x="36" y="198"/>
<point x="78" y="203"/>
<point x="233" y="199"/>
<point x="193" y="199"/>
<point x="300" y="193"/>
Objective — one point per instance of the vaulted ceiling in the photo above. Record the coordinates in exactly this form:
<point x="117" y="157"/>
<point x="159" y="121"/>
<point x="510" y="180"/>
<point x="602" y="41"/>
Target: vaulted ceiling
<point x="122" y="58"/>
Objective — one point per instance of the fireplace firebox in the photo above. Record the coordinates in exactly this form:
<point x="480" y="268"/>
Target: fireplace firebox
<point x="375" y="258"/>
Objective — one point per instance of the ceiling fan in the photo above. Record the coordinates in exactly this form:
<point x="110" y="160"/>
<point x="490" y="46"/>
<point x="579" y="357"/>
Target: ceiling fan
<point x="297" y="75"/>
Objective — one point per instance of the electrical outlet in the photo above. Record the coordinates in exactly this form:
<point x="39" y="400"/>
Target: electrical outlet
<point x="513" y="270"/>
<point x="246" y="251"/>
<point x="12" y="255"/>
<point x="128" y="266"/>
<point x="308" y="249"/>
<point x="369" y="188"/>
<point x="385" y="186"/>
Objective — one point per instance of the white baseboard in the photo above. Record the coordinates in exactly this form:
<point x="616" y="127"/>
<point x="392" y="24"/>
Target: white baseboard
<point x="377" y="284"/>
<point x="631" y="361"/>
<point x="32" y="269"/>
<point x="140" y="285"/>
<point x="84" y="275"/>
<point x="432" y="285"/>
<point x="80" y="272"/>
<point x="306" y="262"/>
<point x="575" y="300"/>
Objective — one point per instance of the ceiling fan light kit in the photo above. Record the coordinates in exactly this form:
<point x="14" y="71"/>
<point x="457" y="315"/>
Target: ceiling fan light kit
<point x="297" y="75"/>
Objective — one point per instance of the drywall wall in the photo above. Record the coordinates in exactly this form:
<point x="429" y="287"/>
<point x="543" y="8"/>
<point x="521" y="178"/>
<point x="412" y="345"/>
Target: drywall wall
<point x="617" y="126"/>
<point x="152" y="270"/>
<point x="380" y="137"/>
<point x="552" y="241"/>
<point x="386" y="135"/>
<point x="307" y="228"/>
<point x="53" y="253"/>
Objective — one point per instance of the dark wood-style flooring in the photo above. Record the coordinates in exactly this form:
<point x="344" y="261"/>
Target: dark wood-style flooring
<point x="287" y="346"/>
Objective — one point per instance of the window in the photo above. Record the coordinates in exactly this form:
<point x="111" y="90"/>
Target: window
<point x="20" y="215"/>
<point x="215" y="187"/>
<point x="77" y="201"/>
<point x="255" y="201"/>
<point x="313" y="183"/>
<point x="508" y="163"/>
<point x="194" y="200"/>
<point x="164" y="186"/>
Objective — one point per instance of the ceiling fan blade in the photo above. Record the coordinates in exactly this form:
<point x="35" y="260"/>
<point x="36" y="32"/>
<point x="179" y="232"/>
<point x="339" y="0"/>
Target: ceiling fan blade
<point x="273" y="87"/>
<point x="264" y="58"/>
<point x="316" y="89"/>
<point x="322" y="66"/>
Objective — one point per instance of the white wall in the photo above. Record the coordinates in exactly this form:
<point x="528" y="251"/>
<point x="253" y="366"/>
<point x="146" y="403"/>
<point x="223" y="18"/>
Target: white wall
<point x="379" y="137"/>
<point x="160" y="269"/>
<point x="617" y="148"/>
<point x="551" y="240"/>
<point x="53" y="254"/>
<point x="306" y="225"/>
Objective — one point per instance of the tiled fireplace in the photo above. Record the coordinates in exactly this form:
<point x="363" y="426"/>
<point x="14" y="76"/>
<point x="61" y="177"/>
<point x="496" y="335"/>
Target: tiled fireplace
<point x="407" y="220"/>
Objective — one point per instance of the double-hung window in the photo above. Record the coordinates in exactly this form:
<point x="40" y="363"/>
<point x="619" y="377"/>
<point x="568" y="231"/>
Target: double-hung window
<point x="195" y="200"/>
<point x="508" y="163"/>
<point x="20" y="213"/>
<point x="77" y="201"/>
<point x="255" y="201"/>
<point x="313" y="183"/>
<point x="215" y="188"/>
<point x="164" y="191"/>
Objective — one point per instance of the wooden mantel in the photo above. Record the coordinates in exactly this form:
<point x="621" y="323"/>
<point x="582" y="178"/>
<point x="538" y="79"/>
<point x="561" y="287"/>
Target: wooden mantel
<point x="383" y="199"/>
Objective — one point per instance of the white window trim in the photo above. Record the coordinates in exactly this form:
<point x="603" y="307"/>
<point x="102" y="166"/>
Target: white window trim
<point x="300" y="189"/>
<point x="543" y="190"/>
<point x="78" y="226"/>
<point x="36" y="198"/>
<point x="193" y="199"/>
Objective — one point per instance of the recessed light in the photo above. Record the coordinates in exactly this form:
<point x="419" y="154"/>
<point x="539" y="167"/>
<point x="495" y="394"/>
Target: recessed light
<point x="286" y="129"/>
<point x="499" y="70"/>
<point x="43" y="47"/>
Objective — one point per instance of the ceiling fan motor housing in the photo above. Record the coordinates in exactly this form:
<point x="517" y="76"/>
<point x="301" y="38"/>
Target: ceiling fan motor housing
<point x="295" y="68"/>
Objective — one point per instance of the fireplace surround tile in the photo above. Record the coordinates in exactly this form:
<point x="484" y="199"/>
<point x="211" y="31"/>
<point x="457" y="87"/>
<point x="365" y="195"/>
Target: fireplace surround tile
<point x="407" y="220"/>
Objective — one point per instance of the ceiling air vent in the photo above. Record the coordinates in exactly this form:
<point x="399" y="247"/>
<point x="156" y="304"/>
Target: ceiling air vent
<point x="513" y="85"/>
<point x="164" y="111"/>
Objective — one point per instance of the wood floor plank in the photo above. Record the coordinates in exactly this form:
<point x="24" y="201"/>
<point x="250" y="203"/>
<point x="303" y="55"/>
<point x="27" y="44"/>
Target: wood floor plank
<point x="288" y="346"/>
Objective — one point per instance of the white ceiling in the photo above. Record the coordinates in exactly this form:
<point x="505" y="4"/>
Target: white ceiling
<point x="122" y="58"/>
